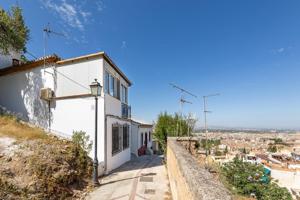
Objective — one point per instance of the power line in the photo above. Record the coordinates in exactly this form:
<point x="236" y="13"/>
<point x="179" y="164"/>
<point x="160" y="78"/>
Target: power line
<point x="70" y="79"/>
<point x="62" y="74"/>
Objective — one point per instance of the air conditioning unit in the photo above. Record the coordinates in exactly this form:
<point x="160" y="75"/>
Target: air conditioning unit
<point x="46" y="94"/>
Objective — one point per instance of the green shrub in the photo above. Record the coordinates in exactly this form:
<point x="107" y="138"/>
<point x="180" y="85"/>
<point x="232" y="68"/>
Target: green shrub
<point x="247" y="179"/>
<point x="83" y="140"/>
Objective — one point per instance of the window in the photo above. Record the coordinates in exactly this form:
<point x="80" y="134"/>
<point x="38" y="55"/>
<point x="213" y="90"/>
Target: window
<point x="142" y="139"/>
<point x="106" y="82"/>
<point x="149" y="136"/>
<point x="120" y="137"/>
<point x="125" y="136"/>
<point x="124" y="94"/>
<point x="115" y="139"/>
<point x="111" y="85"/>
<point x="118" y="89"/>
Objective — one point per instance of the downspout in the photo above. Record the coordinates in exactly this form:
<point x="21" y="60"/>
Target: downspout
<point x="105" y="138"/>
<point x="49" y="110"/>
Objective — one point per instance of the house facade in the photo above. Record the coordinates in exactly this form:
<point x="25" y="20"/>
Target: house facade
<point x="141" y="137"/>
<point x="70" y="106"/>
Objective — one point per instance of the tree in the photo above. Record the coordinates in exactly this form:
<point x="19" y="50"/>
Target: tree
<point x="14" y="34"/>
<point x="211" y="143"/>
<point x="191" y="122"/>
<point x="169" y="125"/>
<point x="273" y="191"/>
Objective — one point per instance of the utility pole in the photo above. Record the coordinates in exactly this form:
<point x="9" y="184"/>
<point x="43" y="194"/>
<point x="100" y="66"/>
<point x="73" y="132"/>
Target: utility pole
<point x="205" y="111"/>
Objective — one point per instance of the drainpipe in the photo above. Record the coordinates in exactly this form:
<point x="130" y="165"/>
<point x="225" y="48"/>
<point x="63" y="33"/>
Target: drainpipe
<point x="105" y="135"/>
<point x="49" y="110"/>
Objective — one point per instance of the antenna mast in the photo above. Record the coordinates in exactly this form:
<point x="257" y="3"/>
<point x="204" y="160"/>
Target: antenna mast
<point x="182" y="101"/>
<point x="46" y="34"/>
<point x="205" y="111"/>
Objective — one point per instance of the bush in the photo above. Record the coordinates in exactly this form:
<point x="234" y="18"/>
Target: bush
<point x="247" y="179"/>
<point x="170" y="125"/>
<point x="272" y="148"/>
<point x="83" y="140"/>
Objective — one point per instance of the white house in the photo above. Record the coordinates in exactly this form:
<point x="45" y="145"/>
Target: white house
<point x="141" y="137"/>
<point x="70" y="106"/>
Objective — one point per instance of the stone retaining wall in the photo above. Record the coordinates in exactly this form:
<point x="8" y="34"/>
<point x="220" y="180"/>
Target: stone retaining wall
<point x="188" y="180"/>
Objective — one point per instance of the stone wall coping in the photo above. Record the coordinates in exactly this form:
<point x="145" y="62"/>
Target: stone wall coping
<point x="200" y="182"/>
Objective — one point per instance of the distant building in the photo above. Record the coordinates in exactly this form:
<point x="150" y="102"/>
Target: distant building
<point x="141" y="137"/>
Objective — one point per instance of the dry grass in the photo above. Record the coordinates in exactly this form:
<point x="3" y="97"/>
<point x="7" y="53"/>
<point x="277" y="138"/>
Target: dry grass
<point x="11" y="127"/>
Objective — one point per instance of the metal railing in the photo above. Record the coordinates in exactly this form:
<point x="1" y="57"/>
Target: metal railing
<point x="126" y="111"/>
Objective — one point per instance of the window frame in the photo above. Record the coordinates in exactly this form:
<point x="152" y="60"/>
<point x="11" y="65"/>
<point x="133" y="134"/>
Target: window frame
<point x="111" y="85"/>
<point x="126" y="144"/>
<point x="113" y="145"/>
<point x="124" y="94"/>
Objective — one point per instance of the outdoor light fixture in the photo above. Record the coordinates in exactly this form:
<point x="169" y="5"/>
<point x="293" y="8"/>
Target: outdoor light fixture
<point x="96" y="88"/>
<point x="96" y="91"/>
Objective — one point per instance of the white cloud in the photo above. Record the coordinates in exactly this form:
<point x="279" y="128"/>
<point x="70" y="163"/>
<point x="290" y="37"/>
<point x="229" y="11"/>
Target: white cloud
<point x="278" y="51"/>
<point x="99" y="5"/>
<point x="124" y="45"/>
<point x="70" y="14"/>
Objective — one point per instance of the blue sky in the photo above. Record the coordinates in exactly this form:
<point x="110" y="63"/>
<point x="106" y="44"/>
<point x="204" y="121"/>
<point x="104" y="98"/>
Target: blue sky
<point x="246" y="50"/>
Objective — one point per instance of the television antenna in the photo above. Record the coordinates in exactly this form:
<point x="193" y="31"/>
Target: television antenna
<point x="47" y="31"/>
<point x="205" y="111"/>
<point x="182" y="101"/>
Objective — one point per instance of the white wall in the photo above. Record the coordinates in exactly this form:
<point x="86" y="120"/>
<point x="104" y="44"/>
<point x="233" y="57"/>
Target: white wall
<point x="134" y="138"/>
<point x="6" y="60"/>
<point x="20" y="93"/>
<point x="116" y="160"/>
<point x="113" y="105"/>
<point x="79" y="115"/>
<point x="83" y="72"/>
<point x="143" y="130"/>
<point x="286" y="179"/>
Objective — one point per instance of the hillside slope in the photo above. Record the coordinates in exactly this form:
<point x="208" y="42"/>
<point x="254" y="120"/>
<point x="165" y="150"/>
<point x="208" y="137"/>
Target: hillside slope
<point x="34" y="165"/>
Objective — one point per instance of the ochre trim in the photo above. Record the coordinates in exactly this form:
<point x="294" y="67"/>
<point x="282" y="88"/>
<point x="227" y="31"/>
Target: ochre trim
<point x="72" y="96"/>
<point x="27" y="66"/>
